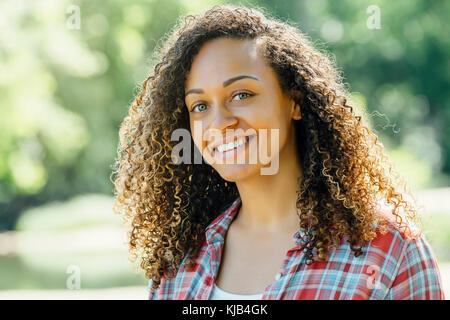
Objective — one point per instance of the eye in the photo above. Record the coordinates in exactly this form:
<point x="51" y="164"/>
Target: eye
<point x="242" y="95"/>
<point x="199" y="105"/>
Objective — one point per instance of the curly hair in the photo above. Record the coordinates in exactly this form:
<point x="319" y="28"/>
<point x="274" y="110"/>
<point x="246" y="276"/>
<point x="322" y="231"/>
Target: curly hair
<point x="345" y="169"/>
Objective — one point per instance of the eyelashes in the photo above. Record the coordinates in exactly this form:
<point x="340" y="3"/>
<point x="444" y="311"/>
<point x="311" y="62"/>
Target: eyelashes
<point x="199" y="104"/>
<point x="248" y="95"/>
<point x="242" y="92"/>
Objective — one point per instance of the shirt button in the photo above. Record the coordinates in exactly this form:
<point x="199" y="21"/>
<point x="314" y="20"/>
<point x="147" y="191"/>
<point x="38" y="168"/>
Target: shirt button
<point x="278" y="276"/>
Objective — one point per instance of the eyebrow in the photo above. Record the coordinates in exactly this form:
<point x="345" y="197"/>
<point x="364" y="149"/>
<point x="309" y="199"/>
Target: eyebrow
<point x="225" y="83"/>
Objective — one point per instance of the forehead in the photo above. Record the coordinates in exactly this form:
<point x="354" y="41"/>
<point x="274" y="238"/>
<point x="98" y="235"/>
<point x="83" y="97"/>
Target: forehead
<point x="223" y="58"/>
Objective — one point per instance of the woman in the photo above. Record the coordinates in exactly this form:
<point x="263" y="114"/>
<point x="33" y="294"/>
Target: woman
<point x="319" y="215"/>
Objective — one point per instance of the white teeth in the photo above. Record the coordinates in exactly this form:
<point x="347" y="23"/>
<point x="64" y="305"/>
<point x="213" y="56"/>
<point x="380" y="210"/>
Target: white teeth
<point x="231" y="145"/>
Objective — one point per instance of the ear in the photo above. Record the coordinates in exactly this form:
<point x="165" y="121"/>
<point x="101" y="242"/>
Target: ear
<point x="295" y="107"/>
<point x="297" y="113"/>
<point x="295" y="110"/>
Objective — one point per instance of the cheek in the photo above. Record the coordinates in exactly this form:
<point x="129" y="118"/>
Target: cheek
<point x="198" y="137"/>
<point x="273" y="139"/>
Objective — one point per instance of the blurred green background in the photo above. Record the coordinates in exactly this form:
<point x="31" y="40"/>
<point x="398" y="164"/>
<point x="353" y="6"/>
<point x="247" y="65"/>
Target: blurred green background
<point x="70" y="69"/>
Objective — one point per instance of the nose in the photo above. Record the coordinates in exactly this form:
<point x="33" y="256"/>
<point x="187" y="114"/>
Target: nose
<point x="223" y="119"/>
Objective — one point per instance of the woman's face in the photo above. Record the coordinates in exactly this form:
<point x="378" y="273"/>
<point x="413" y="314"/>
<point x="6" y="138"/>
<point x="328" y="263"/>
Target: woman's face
<point x="232" y="95"/>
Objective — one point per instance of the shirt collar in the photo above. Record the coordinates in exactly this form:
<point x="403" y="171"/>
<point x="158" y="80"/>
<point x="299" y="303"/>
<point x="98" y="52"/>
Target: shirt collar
<point x="216" y="230"/>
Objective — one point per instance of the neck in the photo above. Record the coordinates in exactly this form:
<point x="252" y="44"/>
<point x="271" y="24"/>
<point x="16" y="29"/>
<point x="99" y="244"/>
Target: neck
<point x="269" y="201"/>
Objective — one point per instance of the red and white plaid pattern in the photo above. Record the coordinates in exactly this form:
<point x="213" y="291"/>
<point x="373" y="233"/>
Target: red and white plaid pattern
<point x="391" y="267"/>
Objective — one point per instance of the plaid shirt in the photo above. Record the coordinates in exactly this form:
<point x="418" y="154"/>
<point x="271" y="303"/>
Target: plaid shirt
<point x="391" y="267"/>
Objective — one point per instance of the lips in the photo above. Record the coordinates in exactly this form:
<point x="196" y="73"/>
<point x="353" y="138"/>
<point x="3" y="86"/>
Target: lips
<point x="227" y="149"/>
<point x="231" y="145"/>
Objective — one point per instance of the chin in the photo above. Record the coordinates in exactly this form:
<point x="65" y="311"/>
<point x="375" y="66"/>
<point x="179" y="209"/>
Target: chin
<point x="236" y="172"/>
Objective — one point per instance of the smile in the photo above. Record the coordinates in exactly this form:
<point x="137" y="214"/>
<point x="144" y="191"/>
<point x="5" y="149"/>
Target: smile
<point x="232" y="145"/>
<point x="232" y="148"/>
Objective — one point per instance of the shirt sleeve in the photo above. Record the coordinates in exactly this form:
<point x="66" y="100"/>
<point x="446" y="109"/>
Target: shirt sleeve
<point x="418" y="276"/>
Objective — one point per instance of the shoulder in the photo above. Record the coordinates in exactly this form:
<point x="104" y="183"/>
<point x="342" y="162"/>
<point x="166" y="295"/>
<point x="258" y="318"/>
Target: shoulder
<point x="393" y="238"/>
<point x="389" y="247"/>
<point x="404" y="261"/>
<point x="189" y="277"/>
<point x="392" y="246"/>
<point x="185" y="280"/>
<point x="415" y="271"/>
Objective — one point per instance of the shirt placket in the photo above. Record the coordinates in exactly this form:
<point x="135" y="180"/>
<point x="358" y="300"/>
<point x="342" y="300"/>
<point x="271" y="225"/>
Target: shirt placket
<point x="285" y="275"/>
<point x="215" y="250"/>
